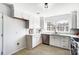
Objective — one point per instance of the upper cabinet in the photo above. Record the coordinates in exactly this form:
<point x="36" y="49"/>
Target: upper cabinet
<point x="63" y="23"/>
<point x="78" y="20"/>
<point x="20" y="14"/>
<point x="49" y="24"/>
<point x="75" y="20"/>
<point x="42" y="22"/>
<point x="62" y="27"/>
<point x="60" y="23"/>
<point x="34" y="22"/>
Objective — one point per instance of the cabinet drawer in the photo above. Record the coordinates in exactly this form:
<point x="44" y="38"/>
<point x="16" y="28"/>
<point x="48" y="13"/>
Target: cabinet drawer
<point x="66" y="46"/>
<point x="52" y="41"/>
<point x="57" y="44"/>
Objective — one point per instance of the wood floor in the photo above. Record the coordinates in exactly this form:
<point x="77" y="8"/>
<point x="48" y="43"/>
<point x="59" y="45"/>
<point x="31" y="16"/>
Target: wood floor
<point x="43" y="50"/>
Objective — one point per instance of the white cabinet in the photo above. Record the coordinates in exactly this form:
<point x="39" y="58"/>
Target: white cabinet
<point x="42" y="22"/>
<point x="63" y="23"/>
<point x="52" y="40"/>
<point x="20" y="14"/>
<point x="17" y="13"/>
<point x="34" y="22"/>
<point x="63" y="27"/>
<point x="60" y="23"/>
<point x="57" y="41"/>
<point x="65" y="42"/>
<point x="32" y="41"/>
<point x="75" y="20"/>
<point x="60" y="41"/>
<point x="49" y="24"/>
<point x="78" y="19"/>
<point x="36" y="40"/>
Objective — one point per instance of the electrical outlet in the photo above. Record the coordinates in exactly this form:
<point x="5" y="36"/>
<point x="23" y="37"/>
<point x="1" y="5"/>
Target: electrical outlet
<point x="18" y="43"/>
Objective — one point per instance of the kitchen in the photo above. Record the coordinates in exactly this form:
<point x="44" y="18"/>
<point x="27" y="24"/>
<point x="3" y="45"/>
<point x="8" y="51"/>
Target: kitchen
<point x="43" y="29"/>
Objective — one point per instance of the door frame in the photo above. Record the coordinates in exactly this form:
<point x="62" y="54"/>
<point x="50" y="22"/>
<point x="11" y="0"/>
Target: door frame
<point x="2" y="34"/>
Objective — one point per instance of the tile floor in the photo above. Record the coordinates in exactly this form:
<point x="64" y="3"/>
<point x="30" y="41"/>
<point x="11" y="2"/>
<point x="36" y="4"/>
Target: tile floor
<point x="43" y="50"/>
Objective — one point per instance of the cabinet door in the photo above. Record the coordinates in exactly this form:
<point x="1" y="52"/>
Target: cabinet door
<point x="38" y="40"/>
<point x="52" y="40"/>
<point x="74" y="19"/>
<point x="78" y="20"/>
<point x="29" y="42"/>
<point x="0" y="33"/>
<point x="65" y="42"/>
<point x="57" y="41"/>
<point x="34" y="41"/>
<point x="42" y="22"/>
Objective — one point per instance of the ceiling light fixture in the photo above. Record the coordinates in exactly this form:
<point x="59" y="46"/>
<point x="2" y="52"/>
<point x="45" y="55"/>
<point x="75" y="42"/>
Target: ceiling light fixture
<point x="45" y="5"/>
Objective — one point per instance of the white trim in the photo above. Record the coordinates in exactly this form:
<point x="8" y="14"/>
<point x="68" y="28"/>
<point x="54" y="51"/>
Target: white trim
<point x="15" y="51"/>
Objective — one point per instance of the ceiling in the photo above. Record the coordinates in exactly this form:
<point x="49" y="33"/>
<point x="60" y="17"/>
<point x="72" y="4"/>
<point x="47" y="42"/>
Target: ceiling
<point x="53" y="8"/>
<point x="35" y="8"/>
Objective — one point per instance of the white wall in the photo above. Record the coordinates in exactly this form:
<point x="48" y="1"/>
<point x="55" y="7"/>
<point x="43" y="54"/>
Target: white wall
<point x="4" y="9"/>
<point x="14" y="31"/>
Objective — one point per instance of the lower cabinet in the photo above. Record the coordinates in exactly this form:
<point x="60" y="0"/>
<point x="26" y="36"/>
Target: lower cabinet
<point x="57" y="41"/>
<point x="52" y="40"/>
<point x="60" y="41"/>
<point x="29" y="42"/>
<point x="32" y="41"/>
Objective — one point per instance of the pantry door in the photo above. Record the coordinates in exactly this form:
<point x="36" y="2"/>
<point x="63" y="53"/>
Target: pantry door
<point x="0" y="33"/>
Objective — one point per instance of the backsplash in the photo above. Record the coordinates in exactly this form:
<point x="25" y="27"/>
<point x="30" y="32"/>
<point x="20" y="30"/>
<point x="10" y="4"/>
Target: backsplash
<point x="33" y="31"/>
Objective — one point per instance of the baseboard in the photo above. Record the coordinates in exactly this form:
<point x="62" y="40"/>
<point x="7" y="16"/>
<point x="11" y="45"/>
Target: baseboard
<point x="16" y="51"/>
<point x="37" y="45"/>
<point x="21" y="49"/>
<point x="59" y="47"/>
